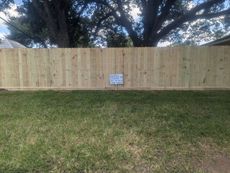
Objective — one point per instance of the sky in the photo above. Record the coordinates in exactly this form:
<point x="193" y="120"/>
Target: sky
<point x="3" y="28"/>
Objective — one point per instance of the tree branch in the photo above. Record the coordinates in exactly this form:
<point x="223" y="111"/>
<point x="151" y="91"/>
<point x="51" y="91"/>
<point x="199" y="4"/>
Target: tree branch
<point x="189" y="17"/>
<point x="122" y="19"/>
<point x="101" y="20"/>
<point x="163" y="16"/>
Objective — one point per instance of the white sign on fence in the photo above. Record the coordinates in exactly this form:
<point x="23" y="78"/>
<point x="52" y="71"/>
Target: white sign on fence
<point x="116" y="79"/>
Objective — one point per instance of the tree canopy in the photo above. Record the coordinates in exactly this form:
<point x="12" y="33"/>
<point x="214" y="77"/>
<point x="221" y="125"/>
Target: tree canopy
<point x="78" y="23"/>
<point x="157" y="18"/>
<point x="56" y="22"/>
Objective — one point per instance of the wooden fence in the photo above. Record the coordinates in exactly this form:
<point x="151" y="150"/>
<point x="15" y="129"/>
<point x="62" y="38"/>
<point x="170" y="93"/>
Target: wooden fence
<point x="185" y="68"/>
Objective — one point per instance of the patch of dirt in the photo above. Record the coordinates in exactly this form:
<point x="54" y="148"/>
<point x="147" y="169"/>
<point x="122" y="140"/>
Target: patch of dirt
<point x="219" y="164"/>
<point x="212" y="158"/>
<point x="143" y="168"/>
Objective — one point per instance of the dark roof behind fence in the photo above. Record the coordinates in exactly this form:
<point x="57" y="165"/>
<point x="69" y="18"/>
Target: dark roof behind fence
<point x="220" y="42"/>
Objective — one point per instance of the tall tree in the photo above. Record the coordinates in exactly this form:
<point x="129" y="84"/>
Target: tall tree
<point x="71" y="23"/>
<point x="157" y="18"/>
<point x="56" y="22"/>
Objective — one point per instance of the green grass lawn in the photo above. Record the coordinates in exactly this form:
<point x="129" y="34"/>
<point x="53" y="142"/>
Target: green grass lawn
<point x="109" y="131"/>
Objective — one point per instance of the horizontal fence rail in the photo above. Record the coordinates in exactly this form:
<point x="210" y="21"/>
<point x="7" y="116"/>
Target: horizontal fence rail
<point x="178" y="68"/>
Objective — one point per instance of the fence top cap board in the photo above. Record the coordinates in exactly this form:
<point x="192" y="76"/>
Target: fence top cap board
<point x="6" y="43"/>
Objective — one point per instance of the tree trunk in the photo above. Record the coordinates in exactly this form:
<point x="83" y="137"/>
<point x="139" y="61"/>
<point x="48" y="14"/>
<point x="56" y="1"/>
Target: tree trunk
<point x="63" y="40"/>
<point x="145" y="43"/>
<point x="57" y="25"/>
